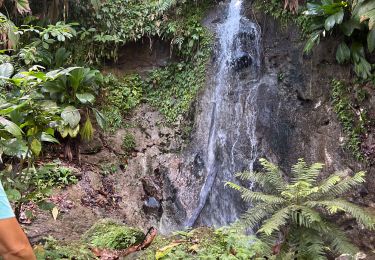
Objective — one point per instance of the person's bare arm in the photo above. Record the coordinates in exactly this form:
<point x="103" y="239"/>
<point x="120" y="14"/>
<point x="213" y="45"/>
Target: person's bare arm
<point x="14" y="244"/>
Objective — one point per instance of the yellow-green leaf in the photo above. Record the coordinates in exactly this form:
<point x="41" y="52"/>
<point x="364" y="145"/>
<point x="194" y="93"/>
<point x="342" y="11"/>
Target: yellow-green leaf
<point x="162" y="252"/>
<point x="36" y="147"/>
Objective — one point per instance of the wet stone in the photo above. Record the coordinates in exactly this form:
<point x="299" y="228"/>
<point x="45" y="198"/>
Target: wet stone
<point x="241" y="61"/>
<point x="151" y="202"/>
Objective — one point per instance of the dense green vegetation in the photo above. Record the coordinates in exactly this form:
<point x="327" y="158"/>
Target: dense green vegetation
<point x="49" y="97"/>
<point x="352" y="118"/>
<point x="296" y="215"/>
<point x="350" y="21"/>
<point x="351" y="25"/>
<point x="200" y="243"/>
<point x="354" y="21"/>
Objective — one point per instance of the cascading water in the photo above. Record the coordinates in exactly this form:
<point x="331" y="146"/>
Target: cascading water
<point x="231" y="143"/>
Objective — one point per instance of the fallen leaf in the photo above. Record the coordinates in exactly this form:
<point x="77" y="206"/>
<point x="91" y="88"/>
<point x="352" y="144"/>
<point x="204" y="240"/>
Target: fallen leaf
<point x="165" y="250"/>
<point x="55" y="213"/>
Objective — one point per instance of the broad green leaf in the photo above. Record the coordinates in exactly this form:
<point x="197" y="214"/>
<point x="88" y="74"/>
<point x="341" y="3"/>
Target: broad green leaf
<point x="362" y="68"/>
<point x="348" y="27"/>
<point x="76" y="77"/>
<point x="86" y="98"/>
<point x="363" y="7"/>
<point x="6" y="70"/>
<point x="71" y="116"/>
<point x="73" y="132"/>
<point x="53" y="74"/>
<point x="100" y="119"/>
<point x="342" y="53"/>
<point x="314" y="39"/>
<point x="312" y="9"/>
<point x="64" y="131"/>
<point x="15" y="147"/>
<point x="13" y="195"/>
<point x="50" y="131"/>
<point x="334" y="19"/>
<point x="357" y="51"/>
<point x="36" y="147"/>
<point x="329" y="22"/>
<point x="371" y="40"/>
<point x="61" y="56"/>
<point x="11" y="127"/>
<point x="48" y="138"/>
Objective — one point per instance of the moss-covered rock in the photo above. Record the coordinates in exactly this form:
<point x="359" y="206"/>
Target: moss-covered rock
<point x="110" y="234"/>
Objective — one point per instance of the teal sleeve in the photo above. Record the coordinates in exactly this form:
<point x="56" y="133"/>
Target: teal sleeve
<point x="5" y="208"/>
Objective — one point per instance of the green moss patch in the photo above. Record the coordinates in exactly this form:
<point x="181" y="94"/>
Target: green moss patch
<point x="110" y="234"/>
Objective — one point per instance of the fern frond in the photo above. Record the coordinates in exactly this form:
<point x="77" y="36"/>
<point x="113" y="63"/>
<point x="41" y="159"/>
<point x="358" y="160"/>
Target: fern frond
<point x="253" y="196"/>
<point x="326" y="186"/>
<point x="269" y="240"/>
<point x="272" y="174"/>
<point x="307" y="243"/>
<point x="302" y="172"/>
<point x="272" y="182"/>
<point x="336" y="238"/>
<point x="254" y="216"/>
<point x="333" y="206"/>
<point x="304" y="216"/>
<point x="275" y="222"/>
<point x="327" y="190"/>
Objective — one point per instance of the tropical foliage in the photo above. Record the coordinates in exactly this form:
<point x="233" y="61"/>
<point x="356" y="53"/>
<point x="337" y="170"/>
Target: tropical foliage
<point x="353" y="118"/>
<point x="355" y="21"/>
<point x="294" y="213"/>
<point x="200" y="243"/>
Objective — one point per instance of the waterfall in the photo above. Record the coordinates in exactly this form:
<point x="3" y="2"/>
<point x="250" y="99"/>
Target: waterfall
<point x="231" y="142"/>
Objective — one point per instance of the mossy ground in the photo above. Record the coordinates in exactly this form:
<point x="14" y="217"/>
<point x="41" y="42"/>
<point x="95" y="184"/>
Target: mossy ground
<point x="106" y="233"/>
<point x="200" y="243"/>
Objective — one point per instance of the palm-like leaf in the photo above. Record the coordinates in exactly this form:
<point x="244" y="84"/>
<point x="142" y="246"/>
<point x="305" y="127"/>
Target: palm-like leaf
<point x="253" y="196"/>
<point x="271" y="179"/>
<point x="305" y="216"/>
<point x="292" y="212"/>
<point x="276" y="221"/>
<point x="254" y="215"/>
<point x="335" y="237"/>
<point x="302" y="172"/>
<point x="337" y="205"/>
<point x="333" y="187"/>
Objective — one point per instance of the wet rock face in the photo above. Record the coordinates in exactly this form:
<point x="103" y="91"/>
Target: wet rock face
<point x="296" y="119"/>
<point x="294" y="113"/>
<point x="242" y="61"/>
<point x="295" y="116"/>
<point x="132" y="188"/>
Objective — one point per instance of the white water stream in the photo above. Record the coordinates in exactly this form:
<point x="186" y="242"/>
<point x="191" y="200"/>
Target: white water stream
<point x="232" y="144"/>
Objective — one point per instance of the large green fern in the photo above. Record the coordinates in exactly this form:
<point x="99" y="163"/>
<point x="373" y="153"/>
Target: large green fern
<point x="292" y="214"/>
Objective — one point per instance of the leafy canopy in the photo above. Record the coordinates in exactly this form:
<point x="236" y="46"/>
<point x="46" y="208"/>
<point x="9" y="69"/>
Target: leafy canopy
<point x="355" y="21"/>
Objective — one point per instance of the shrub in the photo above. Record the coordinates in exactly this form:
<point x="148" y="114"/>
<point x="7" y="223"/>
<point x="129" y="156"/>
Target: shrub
<point x="128" y="143"/>
<point x="123" y="94"/>
<point x="296" y="215"/>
